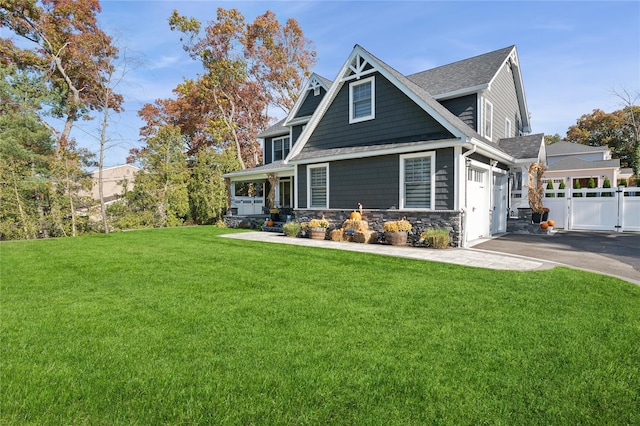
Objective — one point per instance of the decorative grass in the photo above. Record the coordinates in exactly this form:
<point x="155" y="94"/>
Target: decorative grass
<point x="178" y="326"/>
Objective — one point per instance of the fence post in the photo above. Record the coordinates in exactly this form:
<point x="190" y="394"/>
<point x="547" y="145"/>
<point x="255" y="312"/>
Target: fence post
<point x="620" y="202"/>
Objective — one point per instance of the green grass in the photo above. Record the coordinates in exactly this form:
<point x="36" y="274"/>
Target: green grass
<point x="178" y="326"/>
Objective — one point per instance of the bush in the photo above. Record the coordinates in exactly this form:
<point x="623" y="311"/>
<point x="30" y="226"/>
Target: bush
<point x="576" y="185"/>
<point x="550" y="186"/>
<point x="606" y="184"/>
<point x="291" y="229"/>
<point x="591" y="185"/>
<point x="436" y="237"/>
<point x="562" y="186"/>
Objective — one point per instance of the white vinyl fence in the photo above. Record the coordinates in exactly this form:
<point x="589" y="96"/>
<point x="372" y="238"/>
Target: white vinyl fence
<point x="600" y="209"/>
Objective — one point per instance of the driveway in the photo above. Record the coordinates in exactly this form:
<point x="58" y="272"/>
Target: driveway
<point x="616" y="254"/>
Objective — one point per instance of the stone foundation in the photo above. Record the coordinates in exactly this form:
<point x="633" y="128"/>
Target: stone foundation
<point x="524" y="226"/>
<point x="448" y="219"/>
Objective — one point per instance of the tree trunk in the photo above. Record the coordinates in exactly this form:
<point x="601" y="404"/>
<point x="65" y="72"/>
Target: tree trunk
<point x="23" y="216"/>
<point x="103" y="134"/>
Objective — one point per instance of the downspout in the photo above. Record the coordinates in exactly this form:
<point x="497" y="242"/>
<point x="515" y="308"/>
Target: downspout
<point x="473" y="149"/>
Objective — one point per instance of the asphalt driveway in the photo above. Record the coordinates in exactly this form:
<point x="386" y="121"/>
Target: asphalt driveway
<point x="616" y="254"/>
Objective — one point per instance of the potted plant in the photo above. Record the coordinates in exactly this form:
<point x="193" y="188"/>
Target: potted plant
<point x="318" y="228"/>
<point x="396" y="232"/>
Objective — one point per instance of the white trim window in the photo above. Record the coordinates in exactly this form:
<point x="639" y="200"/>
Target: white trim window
<point x="417" y="181"/>
<point x="280" y="148"/>
<point x="507" y="128"/>
<point x="318" y="186"/>
<point x="488" y="119"/>
<point x="362" y="100"/>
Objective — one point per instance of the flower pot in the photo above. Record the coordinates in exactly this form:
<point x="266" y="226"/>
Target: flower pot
<point x="396" y="238"/>
<point x="536" y="217"/>
<point x="317" y="233"/>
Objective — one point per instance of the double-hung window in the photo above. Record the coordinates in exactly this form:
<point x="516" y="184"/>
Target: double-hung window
<point x="417" y="181"/>
<point x="281" y="148"/>
<point x="362" y="100"/>
<point x="488" y="119"/>
<point x="318" y="185"/>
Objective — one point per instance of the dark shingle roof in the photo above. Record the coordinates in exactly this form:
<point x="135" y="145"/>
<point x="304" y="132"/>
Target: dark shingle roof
<point x="275" y="130"/>
<point x="522" y="146"/>
<point x="565" y="148"/>
<point x="579" y="164"/>
<point x="463" y="74"/>
<point x="266" y="168"/>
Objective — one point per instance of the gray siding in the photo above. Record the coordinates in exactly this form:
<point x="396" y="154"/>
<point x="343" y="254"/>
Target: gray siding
<point x="375" y="182"/>
<point x="505" y="103"/>
<point x="445" y="192"/>
<point x="295" y="133"/>
<point x="465" y="108"/>
<point x="398" y="119"/>
<point x="302" y="186"/>
<point x="310" y="103"/>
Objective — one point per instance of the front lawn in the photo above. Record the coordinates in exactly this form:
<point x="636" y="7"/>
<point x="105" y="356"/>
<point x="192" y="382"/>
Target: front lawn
<point x="178" y="326"/>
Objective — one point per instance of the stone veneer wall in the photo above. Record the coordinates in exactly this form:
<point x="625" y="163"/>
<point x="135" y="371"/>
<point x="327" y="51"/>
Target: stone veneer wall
<point x="449" y="219"/>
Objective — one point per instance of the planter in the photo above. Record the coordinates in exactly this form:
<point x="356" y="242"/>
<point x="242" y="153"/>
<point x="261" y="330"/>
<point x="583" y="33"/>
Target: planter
<point x="317" y="233"/>
<point x="396" y="238"/>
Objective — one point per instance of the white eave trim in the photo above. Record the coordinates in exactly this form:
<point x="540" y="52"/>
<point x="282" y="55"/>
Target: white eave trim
<point x="427" y="146"/>
<point x="461" y="92"/>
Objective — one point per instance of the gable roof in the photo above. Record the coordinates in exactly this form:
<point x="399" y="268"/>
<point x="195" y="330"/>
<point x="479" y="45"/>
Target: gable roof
<point x="315" y="80"/>
<point x="277" y="129"/>
<point x="416" y="93"/>
<point x="568" y="148"/>
<point x="523" y="146"/>
<point x="471" y="73"/>
<point x="573" y="163"/>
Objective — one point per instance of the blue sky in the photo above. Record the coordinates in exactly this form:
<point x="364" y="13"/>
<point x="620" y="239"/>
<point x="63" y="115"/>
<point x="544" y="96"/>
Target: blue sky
<point x="572" y="53"/>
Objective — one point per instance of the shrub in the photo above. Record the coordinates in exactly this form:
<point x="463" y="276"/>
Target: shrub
<point x="550" y="186"/>
<point x="562" y="186"/>
<point x="591" y="184"/>
<point x="436" y="237"/>
<point x="291" y="229"/>
<point x="576" y="185"/>
<point x="606" y="184"/>
<point x="623" y="182"/>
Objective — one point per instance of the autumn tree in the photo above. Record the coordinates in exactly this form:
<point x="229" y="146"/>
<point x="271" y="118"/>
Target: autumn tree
<point x="71" y="53"/>
<point x="247" y="69"/>
<point x="550" y="139"/>
<point x="614" y="130"/>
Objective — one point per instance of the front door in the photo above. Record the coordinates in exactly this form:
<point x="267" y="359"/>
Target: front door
<point x="285" y="198"/>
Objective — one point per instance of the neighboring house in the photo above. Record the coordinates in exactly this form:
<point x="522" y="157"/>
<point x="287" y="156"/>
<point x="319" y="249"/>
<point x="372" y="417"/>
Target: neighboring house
<point x="570" y="162"/>
<point x="441" y="147"/>
<point x="112" y="178"/>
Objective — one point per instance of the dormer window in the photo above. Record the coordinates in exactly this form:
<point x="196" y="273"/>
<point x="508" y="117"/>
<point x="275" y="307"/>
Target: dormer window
<point x="281" y="148"/>
<point x="362" y="102"/>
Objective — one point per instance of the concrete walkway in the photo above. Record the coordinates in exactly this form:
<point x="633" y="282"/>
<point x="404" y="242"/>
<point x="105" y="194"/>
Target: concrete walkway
<point x="458" y="256"/>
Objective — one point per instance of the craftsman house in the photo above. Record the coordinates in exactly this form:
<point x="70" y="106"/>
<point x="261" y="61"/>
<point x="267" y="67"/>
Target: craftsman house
<point x="442" y="147"/>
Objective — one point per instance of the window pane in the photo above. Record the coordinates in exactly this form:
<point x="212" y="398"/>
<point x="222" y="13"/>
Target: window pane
<point x="318" y="182"/>
<point x="362" y="100"/>
<point x="417" y="180"/>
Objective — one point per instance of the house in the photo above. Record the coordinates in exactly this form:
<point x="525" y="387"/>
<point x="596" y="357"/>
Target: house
<point x="442" y="147"/>
<point x="112" y="178"/>
<point x="571" y="162"/>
